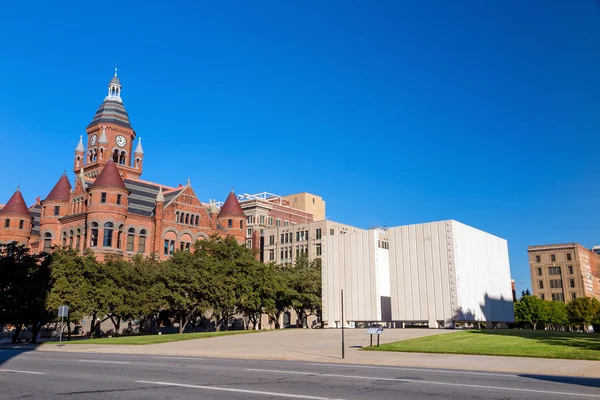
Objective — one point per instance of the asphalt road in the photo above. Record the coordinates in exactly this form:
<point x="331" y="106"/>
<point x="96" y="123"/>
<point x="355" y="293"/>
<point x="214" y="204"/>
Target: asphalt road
<point x="51" y="375"/>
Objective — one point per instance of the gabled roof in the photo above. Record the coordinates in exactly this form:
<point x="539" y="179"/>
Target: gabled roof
<point x="232" y="206"/>
<point x="16" y="205"/>
<point x="110" y="177"/>
<point x="61" y="191"/>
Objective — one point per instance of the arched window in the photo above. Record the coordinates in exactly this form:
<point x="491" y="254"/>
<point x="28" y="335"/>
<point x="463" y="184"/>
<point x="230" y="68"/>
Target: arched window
<point x="71" y="238"/>
<point x="116" y="156"/>
<point x="78" y="159"/>
<point x="169" y="247"/>
<point x="186" y="242"/>
<point x="122" y="158"/>
<point x="78" y="239"/>
<point x="101" y="153"/>
<point x="176" y="215"/>
<point x="142" y="242"/>
<point x="64" y="239"/>
<point x="197" y="220"/>
<point x="108" y="234"/>
<point x="187" y="218"/>
<point x="47" y="242"/>
<point x="120" y="237"/>
<point x="94" y="235"/>
<point x="94" y="155"/>
<point x="130" y="236"/>
<point x="181" y="217"/>
<point x="137" y="162"/>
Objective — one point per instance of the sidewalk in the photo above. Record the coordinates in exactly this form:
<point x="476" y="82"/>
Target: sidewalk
<point x="316" y="345"/>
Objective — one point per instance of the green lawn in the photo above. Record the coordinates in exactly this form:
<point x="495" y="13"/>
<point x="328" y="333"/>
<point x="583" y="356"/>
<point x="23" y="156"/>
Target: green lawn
<point x="505" y="342"/>
<point x="153" y="339"/>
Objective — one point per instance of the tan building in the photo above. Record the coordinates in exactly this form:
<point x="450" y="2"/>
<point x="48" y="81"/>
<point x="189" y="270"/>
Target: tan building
<point x="283" y="244"/>
<point x="308" y="202"/>
<point x="563" y="272"/>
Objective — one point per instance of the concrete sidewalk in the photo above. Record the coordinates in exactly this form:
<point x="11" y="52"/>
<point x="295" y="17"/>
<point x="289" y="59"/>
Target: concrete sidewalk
<point x="317" y="345"/>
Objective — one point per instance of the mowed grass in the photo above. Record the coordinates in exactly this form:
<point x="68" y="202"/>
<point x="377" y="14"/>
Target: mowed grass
<point x="154" y="339"/>
<point x="505" y="342"/>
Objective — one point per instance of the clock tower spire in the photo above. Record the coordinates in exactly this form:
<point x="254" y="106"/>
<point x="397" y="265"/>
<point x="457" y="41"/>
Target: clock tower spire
<point x="110" y="136"/>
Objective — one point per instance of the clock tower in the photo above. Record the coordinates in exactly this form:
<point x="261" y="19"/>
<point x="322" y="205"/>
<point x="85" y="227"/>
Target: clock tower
<point x="110" y="137"/>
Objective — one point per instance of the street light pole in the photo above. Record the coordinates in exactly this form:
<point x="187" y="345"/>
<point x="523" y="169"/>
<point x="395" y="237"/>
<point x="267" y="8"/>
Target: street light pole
<point x="342" y="298"/>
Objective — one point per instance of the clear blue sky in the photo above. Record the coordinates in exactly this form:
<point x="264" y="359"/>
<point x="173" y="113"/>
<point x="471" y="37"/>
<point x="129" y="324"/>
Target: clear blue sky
<point x="481" y="111"/>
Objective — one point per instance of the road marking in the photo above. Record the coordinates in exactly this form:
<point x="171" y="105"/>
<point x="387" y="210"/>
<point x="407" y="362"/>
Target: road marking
<point x="442" y="371"/>
<point x="105" y="361"/>
<point x="22" y="372"/>
<point x="424" y="382"/>
<point x="221" y="389"/>
<point x="180" y="358"/>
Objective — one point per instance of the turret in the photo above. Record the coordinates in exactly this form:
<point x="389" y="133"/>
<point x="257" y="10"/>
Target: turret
<point x="79" y="159"/>
<point x="55" y="206"/>
<point x="139" y="155"/>
<point x="232" y="218"/>
<point x="158" y="215"/>
<point x="16" y="221"/>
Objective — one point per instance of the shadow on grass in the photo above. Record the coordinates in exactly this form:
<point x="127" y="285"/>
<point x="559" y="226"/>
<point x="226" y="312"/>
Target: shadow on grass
<point x="585" y="341"/>
<point x="571" y="380"/>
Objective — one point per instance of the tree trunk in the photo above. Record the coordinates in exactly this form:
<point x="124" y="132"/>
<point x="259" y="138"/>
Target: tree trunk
<point x="16" y="334"/>
<point x="68" y="326"/>
<point x="93" y="327"/>
<point x="534" y="325"/>
<point x="35" y="330"/>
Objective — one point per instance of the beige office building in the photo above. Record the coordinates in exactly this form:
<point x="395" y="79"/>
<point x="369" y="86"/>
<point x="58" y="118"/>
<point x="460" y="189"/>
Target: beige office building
<point x="309" y="203"/>
<point x="563" y="272"/>
<point x="283" y="244"/>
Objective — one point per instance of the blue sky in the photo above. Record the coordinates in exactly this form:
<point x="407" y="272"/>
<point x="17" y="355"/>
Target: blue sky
<point x="395" y="112"/>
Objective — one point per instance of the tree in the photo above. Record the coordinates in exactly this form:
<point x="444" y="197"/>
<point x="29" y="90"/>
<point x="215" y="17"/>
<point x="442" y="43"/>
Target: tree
<point x="259" y="291"/>
<point x="305" y="283"/>
<point x="529" y="309"/>
<point x="582" y="311"/>
<point x="555" y="314"/>
<point x="24" y="287"/>
<point x="282" y="296"/>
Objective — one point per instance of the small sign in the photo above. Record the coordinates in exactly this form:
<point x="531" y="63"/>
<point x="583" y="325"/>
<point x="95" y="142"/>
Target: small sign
<point x="63" y="311"/>
<point x="375" y="330"/>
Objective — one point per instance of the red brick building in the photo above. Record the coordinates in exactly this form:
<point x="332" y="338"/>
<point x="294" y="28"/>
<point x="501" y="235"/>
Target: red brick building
<point x="110" y="210"/>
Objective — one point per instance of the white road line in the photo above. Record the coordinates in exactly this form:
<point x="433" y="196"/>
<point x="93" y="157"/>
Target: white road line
<point x="105" y="361"/>
<point x="180" y="358"/>
<point x="22" y="372"/>
<point x="442" y="371"/>
<point x="221" y="389"/>
<point x="425" y="382"/>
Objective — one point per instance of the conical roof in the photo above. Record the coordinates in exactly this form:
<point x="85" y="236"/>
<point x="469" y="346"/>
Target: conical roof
<point x="16" y="205"/>
<point x="110" y="177"/>
<point x="232" y="206"/>
<point x="61" y="191"/>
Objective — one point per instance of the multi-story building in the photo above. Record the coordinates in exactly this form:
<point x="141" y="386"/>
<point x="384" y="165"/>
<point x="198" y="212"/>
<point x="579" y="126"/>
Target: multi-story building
<point x="111" y="210"/>
<point x="283" y="244"/>
<point x="308" y="202"/>
<point x="563" y="272"/>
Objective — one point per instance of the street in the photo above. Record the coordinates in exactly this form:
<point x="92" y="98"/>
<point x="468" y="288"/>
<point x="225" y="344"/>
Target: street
<point x="52" y="375"/>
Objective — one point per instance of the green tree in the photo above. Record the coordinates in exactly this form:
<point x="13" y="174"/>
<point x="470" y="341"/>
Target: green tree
<point x="555" y="314"/>
<point x="305" y="283"/>
<point x="283" y="295"/>
<point x="259" y="291"/>
<point x="529" y="309"/>
<point x="582" y="311"/>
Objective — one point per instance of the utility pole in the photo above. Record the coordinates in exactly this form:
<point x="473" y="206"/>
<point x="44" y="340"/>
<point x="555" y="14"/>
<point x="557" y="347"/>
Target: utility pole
<point x="342" y="297"/>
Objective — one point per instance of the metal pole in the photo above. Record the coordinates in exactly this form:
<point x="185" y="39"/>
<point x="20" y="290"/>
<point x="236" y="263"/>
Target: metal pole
<point x="342" y="296"/>
<point x="61" y="329"/>
<point x="378" y="340"/>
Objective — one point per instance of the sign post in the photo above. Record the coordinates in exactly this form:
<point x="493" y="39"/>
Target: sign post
<point x="374" y="330"/>
<point x="63" y="311"/>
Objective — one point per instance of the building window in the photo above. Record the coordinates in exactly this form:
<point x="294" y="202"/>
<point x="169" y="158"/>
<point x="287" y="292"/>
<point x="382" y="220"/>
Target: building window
<point x="108" y="233"/>
<point x="187" y="218"/>
<point x="119" y="199"/>
<point x="120" y="237"/>
<point x="78" y="239"/>
<point x="570" y="269"/>
<point x="71" y="239"/>
<point x="249" y="243"/>
<point x="318" y="233"/>
<point x="552" y="257"/>
<point x="47" y="242"/>
<point x="169" y="247"/>
<point x="197" y="220"/>
<point x="281" y="238"/>
<point x="21" y="222"/>
<point x="142" y="242"/>
<point x="102" y="197"/>
<point x="539" y="271"/>
<point x="262" y="219"/>
<point x="553" y="270"/>
<point x="94" y="235"/>
<point x="271" y="255"/>
<point x="64" y="239"/>
<point x="249" y="232"/>
<point x="56" y="210"/>
<point x="537" y="258"/>
<point x="318" y="249"/>
<point x="286" y="253"/>
<point x="542" y="296"/>
<point x="286" y="223"/>
<point x="573" y="296"/>
<point x="270" y="221"/>
<point x="230" y="223"/>
<point x="181" y="218"/>
<point x="281" y="254"/>
<point x="241" y="224"/>
<point x="7" y="223"/>
<point x="297" y="236"/>
<point x="332" y="232"/>
<point x="568" y="256"/>
<point x="130" y="237"/>
<point x="558" y="297"/>
<point x="555" y="284"/>
<point x="540" y="284"/>
<point x="277" y="222"/>
<point x="572" y="283"/>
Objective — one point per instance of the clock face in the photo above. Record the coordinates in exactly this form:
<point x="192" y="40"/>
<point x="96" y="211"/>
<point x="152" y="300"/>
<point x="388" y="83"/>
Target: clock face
<point x="93" y="140"/>
<point x="121" y="141"/>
